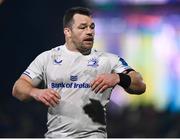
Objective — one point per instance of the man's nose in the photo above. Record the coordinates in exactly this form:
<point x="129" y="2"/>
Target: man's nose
<point x="90" y="31"/>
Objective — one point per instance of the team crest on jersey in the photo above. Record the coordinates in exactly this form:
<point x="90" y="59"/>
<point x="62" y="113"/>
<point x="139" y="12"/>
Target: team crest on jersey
<point x="93" y="62"/>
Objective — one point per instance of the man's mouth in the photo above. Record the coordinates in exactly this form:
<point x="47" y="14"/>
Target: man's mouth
<point x="89" y="39"/>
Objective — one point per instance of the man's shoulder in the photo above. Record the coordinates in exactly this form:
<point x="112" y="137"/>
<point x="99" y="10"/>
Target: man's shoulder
<point x="57" y="48"/>
<point x="104" y="53"/>
<point x="54" y="50"/>
<point x="50" y="52"/>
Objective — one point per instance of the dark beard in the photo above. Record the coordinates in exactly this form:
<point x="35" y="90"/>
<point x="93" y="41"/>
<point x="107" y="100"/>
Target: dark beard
<point x="84" y="51"/>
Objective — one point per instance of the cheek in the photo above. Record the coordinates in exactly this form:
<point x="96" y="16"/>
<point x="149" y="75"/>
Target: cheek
<point x="74" y="36"/>
<point x="78" y="36"/>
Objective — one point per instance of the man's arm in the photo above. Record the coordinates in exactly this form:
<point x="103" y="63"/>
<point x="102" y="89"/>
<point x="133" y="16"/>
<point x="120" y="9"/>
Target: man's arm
<point x="104" y="81"/>
<point x="137" y="85"/>
<point x="24" y="90"/>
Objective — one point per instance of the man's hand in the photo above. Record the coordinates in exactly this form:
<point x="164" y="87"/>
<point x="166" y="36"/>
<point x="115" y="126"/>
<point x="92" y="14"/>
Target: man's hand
<point x="24" y="90"/>
<point x="49" y="97"/>
<point x="104" y="81"/>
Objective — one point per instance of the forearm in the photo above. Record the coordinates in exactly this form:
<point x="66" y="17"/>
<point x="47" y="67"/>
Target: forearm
<point x="137" y="85"/>
<point x="132" y="82"/>
<point x="22" y="90"/>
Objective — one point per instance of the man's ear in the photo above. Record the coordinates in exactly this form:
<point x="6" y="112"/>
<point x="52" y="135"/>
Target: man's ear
<point x="67" y="32"/>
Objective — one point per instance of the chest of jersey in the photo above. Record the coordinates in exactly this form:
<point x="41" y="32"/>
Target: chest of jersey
<point x="70" y="68"/>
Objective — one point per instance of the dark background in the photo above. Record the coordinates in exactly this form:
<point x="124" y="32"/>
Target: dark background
<point x="29" y="27"/>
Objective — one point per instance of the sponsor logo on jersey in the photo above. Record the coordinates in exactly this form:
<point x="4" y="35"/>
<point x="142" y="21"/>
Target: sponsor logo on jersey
<point x="73" y="78"/>
<point x="70" y="85"/>
<point x="93" y="62"/>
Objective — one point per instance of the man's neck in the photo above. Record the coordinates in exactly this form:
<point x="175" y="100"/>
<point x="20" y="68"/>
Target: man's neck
<point x="71" y="47"/>
<point x="74" y="49"/>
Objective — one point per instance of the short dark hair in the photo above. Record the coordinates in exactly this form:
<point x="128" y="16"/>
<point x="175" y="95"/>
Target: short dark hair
<point x="68" y="16"/>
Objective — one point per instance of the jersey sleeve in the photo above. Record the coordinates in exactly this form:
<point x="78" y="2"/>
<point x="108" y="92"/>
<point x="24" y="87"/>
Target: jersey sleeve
<point x="118" y="64"/>
<point x="36" y="69"/>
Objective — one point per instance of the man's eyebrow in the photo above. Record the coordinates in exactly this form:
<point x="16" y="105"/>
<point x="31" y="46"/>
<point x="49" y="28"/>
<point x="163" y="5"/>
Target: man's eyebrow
<point x="84" y="24"/>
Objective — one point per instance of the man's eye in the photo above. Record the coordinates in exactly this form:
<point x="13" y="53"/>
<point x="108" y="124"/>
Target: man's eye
<point x="92" y="26"/>
<point x="82" y="27"/>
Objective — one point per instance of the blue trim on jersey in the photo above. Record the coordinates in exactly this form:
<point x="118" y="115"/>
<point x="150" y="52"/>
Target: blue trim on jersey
<point x="123" y="61"/>
<point x="27" y="75"/>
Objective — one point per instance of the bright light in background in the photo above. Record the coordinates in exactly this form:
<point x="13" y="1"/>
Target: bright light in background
<point x="151" y="44"/>
<point x="101" y="2"/>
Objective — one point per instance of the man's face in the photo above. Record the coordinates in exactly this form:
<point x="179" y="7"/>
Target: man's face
<point x="82" y="33"/>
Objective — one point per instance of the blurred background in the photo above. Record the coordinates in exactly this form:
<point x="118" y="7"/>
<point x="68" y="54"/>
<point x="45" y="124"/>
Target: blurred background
<point x="146" y="33"/>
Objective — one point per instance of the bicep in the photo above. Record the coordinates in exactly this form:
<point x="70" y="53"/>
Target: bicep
<point x="26" y="79"/>
<point x="35" y="82"/>
<point x="137" y="85"/>
<point x="34" y="74"/>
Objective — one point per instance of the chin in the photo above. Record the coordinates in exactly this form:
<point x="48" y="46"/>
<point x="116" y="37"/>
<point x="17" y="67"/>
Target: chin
<point x="86" y="50"/>
<point x="88" y="46"/>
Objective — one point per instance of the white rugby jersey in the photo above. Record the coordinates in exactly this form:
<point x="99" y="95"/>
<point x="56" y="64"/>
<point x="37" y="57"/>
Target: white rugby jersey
<point x="70" y="73"/>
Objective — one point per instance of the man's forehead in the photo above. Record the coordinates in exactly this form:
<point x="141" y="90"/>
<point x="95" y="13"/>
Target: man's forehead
<point x="82" y="19"/>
